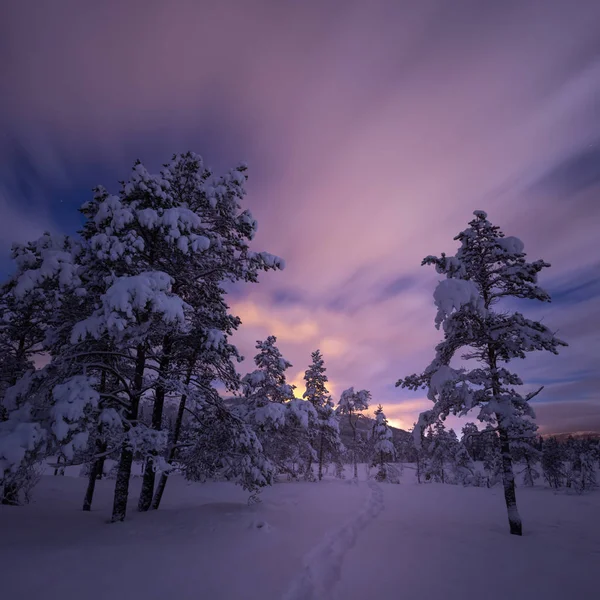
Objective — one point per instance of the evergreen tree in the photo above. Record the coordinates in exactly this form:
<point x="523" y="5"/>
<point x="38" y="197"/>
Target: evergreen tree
<point x="553" y="463"/>
<point x="525" y="453"/>
<point x="416" y="451"/>
<point x="138" y="313"/>
<point x="581" y="468"/>
<point x="32" y="424"/>
<point x="487" y="268"/>
<point x="327" y="442"/>
<point x="351" y="404"/>
<point x="283" y="422"/>
<point x="463" y="467"/>
<point x="384" y="450"/>
<point x="473" y="442"/>
<point x="441" y="448"/>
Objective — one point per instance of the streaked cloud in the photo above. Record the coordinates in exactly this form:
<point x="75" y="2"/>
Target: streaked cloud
<point x="372" y="130"/>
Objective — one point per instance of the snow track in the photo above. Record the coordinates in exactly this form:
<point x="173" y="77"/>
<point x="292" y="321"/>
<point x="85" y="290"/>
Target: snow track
<point x="323" y="564"/>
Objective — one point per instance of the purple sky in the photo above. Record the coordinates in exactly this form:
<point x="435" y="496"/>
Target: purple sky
<point x="372" y="131"/>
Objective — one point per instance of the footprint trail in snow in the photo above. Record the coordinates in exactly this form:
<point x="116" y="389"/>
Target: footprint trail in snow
<point x="323" y="564"/>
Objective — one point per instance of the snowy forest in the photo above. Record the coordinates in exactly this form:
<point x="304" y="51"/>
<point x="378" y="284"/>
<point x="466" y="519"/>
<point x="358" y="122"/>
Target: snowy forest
<point x="116" y="351"/>
<point x="362" y="363"/>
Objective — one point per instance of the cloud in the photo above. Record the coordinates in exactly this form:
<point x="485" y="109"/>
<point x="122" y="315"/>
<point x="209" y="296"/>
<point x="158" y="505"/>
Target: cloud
<point x="571" y="416"/>
<point x="406" y="414"/>
<point x="372" y="133"/>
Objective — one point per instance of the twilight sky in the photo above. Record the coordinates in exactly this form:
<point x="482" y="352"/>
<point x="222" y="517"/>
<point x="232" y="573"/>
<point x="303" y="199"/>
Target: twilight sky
<point x="372" y="131"/>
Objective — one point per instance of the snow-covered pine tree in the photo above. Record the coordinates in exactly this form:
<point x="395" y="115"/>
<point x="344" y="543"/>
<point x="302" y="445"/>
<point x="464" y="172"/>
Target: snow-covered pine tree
<point x="282" y="422"/>
<point x="138" y="250"/>
<point x="214" y="204"/>
<point x="22" y="330"/>
<point x="220" y="444"/>
<point x="487" y="268"/>
<point x="34" y="425"/>
<point x="384" y="450"/>
<point x="581" y="468"/>
<point x="413" y="451"/>
<point x="441" y="446"/>
<point x="553" y="464"/>
<point x="463" y="468"/>
<point x="525" y="453"/>
<point x="327" y="442"/>
<point x="472" y="440"/>
<point x="351" y="404"/>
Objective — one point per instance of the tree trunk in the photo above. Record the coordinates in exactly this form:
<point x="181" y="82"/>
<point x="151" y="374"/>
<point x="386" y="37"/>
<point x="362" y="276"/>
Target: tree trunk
<point x="162" y="482"/>
<point x="98" y="465"/>
<point x="126" y="460"/>
<point x="354" y="458"/>
<point x="508" y="480"/>
<point x="157" y="413"/>
<point x="508" y="476"/>
<point x="321" y="447"/>
<point x="95" y="474"/>
<point x="101" y="462"/>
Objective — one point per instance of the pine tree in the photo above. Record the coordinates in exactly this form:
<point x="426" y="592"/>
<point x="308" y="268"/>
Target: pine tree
<point x="416" y="452"/>
<point x="463" y="467"/>
<point x="472" y="440"/>
<point x="525" y="453"/>
<point x="553" y="463"/>
<point x="351" y="404"/>
<point x="31" y="427"/>
<point x="184" y="229"/>
<point x="283" y="422"/>
<point x="581" y="468"/>
<point x="487" y="268"/>
<point x="384" y="450"/>
<point x="327" y="441"/>
<point x="138" y="304"/>
<point x="440" y="452"/>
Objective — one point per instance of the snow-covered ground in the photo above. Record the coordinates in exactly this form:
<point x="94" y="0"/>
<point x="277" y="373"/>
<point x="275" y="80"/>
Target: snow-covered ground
<point x="333" y="539"/>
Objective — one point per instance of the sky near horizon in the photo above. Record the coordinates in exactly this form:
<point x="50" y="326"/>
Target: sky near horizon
<point x="372" y="131"/>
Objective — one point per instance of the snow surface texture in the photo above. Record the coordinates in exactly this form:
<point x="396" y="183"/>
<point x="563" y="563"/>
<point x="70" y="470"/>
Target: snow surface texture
<point x="323" y="565"/>
<point x="330" y="540"/>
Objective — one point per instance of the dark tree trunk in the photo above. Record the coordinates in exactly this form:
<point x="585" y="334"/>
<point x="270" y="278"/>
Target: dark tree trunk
<point x="508" y="480"/>
<point x="308" y="474"/>
<point x="162" y="482"/>
<point x="97" y="466"/>
<point x="508" y="476"/>
<point x="126" y="460"/>
<point x="321" y="451"/>
<point x="354" y="457"/>
<point x="101" y="462"/>
<point x="157" y="413"/>
<point x="95" y="473"/>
